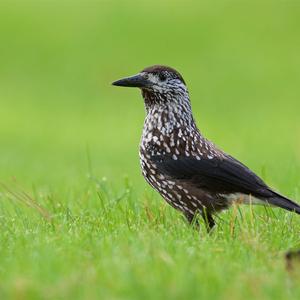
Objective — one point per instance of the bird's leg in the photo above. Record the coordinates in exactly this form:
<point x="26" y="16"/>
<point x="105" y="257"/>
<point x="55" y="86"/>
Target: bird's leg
<point x="193" y="220"/>
<point x="208" y="219"/>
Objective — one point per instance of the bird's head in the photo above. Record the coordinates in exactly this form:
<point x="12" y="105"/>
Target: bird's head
<point x="157" y="81"/>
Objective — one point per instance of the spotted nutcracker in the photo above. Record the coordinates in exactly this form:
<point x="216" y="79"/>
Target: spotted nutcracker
<point x="189" y="171"/>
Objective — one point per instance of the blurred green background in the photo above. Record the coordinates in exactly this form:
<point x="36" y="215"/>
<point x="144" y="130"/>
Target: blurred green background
<point x="240" y="59"/>
<point x="60" y="120"/>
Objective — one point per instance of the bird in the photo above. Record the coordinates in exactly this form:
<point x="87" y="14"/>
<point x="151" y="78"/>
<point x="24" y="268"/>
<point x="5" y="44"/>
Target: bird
<point x="190" y="172"/>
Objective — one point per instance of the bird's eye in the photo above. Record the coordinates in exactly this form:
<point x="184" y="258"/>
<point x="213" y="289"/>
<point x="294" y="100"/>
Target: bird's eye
<point x="162" y="77"/>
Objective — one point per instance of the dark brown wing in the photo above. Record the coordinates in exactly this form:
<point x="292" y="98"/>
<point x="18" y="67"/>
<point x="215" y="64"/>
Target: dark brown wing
<point x="224" y="176"/>
<point x="215" y="175"/>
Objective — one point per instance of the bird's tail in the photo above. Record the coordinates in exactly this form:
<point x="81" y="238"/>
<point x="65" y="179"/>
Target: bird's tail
<point x="283" y="202"/>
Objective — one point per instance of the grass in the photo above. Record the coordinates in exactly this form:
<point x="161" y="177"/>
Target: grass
<point x="105" y="245"/>
<point x="77" y="219"/>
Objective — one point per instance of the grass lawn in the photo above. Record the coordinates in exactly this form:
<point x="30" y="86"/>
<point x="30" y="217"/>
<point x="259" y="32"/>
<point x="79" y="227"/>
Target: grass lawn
<point x="77" y="220"/>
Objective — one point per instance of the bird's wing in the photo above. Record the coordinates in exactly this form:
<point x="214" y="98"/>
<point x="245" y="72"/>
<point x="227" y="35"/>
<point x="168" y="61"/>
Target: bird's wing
<point x="215" y="175"/>
<point x="224" y="176"/>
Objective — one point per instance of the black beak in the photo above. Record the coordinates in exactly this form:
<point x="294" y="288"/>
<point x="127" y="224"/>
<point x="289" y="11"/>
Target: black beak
<point x="133" y="81"/>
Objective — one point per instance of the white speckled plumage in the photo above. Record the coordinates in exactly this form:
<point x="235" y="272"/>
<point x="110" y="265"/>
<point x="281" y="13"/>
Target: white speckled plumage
<point x="169" y="128"/>
<point x="190" y="172"/>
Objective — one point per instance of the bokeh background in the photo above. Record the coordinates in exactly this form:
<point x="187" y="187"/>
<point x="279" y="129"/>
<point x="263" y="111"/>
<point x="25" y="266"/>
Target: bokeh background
<point x="58" y="58"/>
<point x="60" y="117"/>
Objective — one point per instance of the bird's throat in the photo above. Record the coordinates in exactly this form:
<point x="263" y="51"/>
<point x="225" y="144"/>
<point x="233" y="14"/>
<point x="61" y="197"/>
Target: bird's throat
<point x="168" y="116"/>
